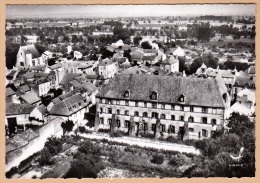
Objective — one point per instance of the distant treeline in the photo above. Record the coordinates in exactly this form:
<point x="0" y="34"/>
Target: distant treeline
<point x="218" y="18"/>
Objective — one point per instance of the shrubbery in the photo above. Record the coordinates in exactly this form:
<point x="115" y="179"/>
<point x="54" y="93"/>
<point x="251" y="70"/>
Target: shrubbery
<point x="158" y="159"/>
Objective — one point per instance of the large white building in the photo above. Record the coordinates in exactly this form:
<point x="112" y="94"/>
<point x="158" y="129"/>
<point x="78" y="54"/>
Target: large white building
<point x="107" y="68"/>
<point x="28" y="56"/>
<point x="193" y="107"/>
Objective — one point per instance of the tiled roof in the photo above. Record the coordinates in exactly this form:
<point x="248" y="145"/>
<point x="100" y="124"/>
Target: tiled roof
<point x="68" y="106"/>
<point x="16" y="109"/>
<point x="68" y="77"/>
<point x="66" y="95"/>
<point x="30" y="49"/>
<point x="30" y="97"/>
<point x="197" y="91"/>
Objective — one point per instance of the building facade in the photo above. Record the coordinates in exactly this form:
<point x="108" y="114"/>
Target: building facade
<point x="145" y="100"/>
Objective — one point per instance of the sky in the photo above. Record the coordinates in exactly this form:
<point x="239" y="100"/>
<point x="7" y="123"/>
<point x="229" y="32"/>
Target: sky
<point x="13" y="11"/>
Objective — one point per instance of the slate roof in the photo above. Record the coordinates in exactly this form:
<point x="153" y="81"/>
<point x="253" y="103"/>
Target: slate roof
<point x="197" y="91"/>
<point x="25" y="88"/>
<point x="243" y="81"/>
<point x="86" y="86"/>
<point x="137" y="54"/>
<point x="30" y="49"/>
<point x="16" y="109"/>
<point x="68" y="106"/>
<point x="11" y="74"/>
<point x="30" y="97"/>
<point x="105" y="62"/>
<point x="38" y="68"/>
<point x="29" y="75"/>
<point x="250" y="70"/>
<point x="169" y="60"/>
<point x="120" y="60"/>
<point x="66" y="95"/>
<point x="55" y="66"/>
<point x="68" y="77"/>
<point x="9" y="92"/>
<point x="149" y="57"/>
<point x="250" y="94"/>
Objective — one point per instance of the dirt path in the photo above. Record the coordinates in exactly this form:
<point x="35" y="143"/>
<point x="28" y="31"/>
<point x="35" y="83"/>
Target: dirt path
<point x="144" y="143"/>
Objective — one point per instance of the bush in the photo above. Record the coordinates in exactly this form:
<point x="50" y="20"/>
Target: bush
<point x="54" y="145"/>
<point x="147" y="135"/>
<point x="117" y="134"/>
<point x="82" y="129"/>
<point x="158" y="159"/>
<point x="178" y="159"/>
<point x="11" y="172"/>
<point x="45" y="158"/>
<point x="104" y="130"/>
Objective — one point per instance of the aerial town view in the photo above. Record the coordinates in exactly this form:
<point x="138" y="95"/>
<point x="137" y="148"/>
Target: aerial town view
<point x="130" y="91"/>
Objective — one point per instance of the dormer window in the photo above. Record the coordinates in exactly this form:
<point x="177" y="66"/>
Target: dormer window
<point x="127" y="94"/>
<point x="181" y="98"/>
<point x="70" y="109"/>
<point x="154" y="95"/>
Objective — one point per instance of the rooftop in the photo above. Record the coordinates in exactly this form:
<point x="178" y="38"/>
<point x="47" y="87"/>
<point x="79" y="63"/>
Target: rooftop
<point x="197" y="91"/>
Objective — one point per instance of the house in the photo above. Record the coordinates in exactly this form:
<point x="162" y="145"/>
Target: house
<point x="227" y="75"/>
<point x="241" y="82"/>
<point x="77" y="55"/>
<point x="192" y="107"/>
<point x="71" y="108"/>
<point x="17" y="114"/>
<point x="151" y="59"/>
<point x="38" y="115"/>
<point x="136" y="56"/>
<point x="47" y="55"/>
<point x="107" y="68"/>
<point x="41" y="87"/>
<point x="171" y="64"/>
<point x="30" y="98"/>
<point x="86" y="88"/>
<point x="38" y="68"/>
<point x="28" y="56"/>
<point x="245" y="104"/>
<point x="179" y="52"/>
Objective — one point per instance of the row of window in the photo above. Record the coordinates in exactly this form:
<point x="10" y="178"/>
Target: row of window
<point x="144" y="127"/>
<point x="162" y="116"/>
<point x="154" y="105"/>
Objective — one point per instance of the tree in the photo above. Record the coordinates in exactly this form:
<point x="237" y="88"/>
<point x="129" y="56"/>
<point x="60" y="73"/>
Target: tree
<point x="10" y="54"/>
<point x="137" y="39"/>
<point x="45" y="157"/>
<point x="86" y="163"/>
<point x="146" y="45"/>
<point x="41" y="48"/>
<point x="54" y="145"/>
<point x="67" y="126"/>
